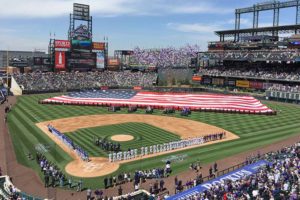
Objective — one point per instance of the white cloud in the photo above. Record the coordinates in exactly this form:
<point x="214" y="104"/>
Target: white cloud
<point x="249" y="23"/>
<point x="107" y="8"/>
<point x="265" y="24"/>
<point x="54" y="8"/>
<point x="196" y="33"/>
<point x="194" y="28"/>
<point x="11" y="42"/>
<point x="243" y="21"/>
<point x="201" y="8"/>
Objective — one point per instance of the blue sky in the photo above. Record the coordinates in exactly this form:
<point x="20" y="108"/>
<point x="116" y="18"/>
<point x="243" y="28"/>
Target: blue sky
<point x="26" y="24"/>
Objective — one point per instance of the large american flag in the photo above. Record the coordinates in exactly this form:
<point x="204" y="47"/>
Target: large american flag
<point x="162" y="100"/>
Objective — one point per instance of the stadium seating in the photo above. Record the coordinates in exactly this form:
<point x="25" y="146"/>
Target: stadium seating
<point x="250" y="73"/>
<point x="84" y="80"/>
<point x="165" y="57"/>
<point x="7" y="189"/>
<point x="279" y="179"/>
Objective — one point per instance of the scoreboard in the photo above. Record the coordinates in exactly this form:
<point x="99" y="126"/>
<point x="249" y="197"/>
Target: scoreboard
<point x="81" y="60"/>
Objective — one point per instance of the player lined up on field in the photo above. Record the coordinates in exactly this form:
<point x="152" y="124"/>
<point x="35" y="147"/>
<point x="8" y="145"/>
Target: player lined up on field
<point x="153" y="149"/>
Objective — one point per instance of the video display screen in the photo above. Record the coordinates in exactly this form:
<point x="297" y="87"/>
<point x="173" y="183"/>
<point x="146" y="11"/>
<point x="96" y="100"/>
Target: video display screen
<point x="81" y="60"/>
<point x="81" y="46"/>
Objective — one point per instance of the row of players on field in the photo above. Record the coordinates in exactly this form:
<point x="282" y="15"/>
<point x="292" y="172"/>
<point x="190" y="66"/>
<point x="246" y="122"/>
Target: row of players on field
<point x="107" y="145"/>
<point x="119" y="155"/>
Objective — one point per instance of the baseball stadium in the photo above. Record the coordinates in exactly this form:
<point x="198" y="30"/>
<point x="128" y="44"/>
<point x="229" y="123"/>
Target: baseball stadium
<point x="165" y="123"/>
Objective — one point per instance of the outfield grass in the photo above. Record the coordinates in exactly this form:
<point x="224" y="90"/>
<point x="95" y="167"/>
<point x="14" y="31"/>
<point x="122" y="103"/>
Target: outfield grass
<point x="254" y="131"/>
<point x="144" y="135"/>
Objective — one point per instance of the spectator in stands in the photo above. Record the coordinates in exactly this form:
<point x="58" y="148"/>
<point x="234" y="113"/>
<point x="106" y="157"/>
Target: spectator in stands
<point x="83" y="80"/>
<point x="251" y="73"/>
<point x="166" y="57"/>
<point x="279" y="180"/>
<point x="285" y="88"/>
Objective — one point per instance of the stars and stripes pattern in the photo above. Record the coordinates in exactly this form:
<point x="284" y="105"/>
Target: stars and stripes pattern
<point x="163" y="100"/>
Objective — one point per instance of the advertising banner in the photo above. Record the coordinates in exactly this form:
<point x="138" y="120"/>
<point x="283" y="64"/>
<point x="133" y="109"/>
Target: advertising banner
<point x="234" y="175"/>
<point x="60" y="60"/>
<point x="242" y="83"/>
<point x="207" y="80"/>
<point x="104" y="88"/>
<point x="98" y="46"/>
<point x="196" y="78"/>
<point x="62" y="44"/>
<point x="137" y="87"/>
<point x="256" y="85"/>
<point x="113" y="62"/>
<point x="100" y="60"/>
<point x="217" y="81"/>
<point x="231" y="82"/>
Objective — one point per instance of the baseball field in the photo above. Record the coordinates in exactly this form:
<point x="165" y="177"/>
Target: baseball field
<point x="253" y="131"/>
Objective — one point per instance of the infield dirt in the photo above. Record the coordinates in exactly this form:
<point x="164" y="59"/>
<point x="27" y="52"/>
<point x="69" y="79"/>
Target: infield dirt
<point x="122" y="138"/>
<point x="99" y="166"/>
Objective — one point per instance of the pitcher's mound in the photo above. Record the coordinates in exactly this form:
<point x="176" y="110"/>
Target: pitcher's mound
<point x="122" y="138"/>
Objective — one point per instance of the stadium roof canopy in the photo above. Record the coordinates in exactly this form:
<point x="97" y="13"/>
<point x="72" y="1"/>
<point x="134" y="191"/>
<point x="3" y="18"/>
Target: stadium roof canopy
<point x="274" y="30"/>
<point x="259" y="30"/>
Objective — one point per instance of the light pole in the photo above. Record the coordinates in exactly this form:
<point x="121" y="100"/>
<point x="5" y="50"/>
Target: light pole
<point x="7" y="67"/>
<point x="106" y="50"/>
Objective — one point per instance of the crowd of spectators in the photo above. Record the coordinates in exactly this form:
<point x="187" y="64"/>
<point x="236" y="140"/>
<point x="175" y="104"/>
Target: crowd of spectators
<point x="277" y="55"/>
<point x="250" y="73"/>
<point x="284" y="88"/>
<point x="2" y="95"/>
<point x="38" y="81"/>
<point x="7" y="189"/>
<point x="165" y="57"/>
<point x="278" y="180"/>
<point x="273" y="55"/>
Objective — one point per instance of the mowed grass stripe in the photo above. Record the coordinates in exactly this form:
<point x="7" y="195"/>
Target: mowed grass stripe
<point x="32" y="132"/>
<point x="144" y="134"/>
<point x="92" y="149"/>
<point x="254" y="130"/>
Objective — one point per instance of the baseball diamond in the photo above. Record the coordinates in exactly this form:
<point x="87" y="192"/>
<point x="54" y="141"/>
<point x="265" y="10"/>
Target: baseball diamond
<point x="181" y="128"/>
<point x="253" y="131"/>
